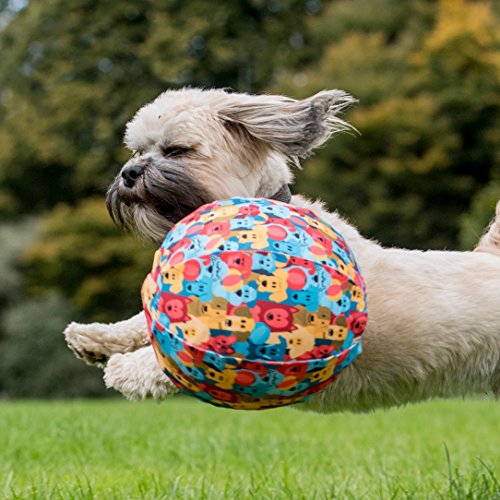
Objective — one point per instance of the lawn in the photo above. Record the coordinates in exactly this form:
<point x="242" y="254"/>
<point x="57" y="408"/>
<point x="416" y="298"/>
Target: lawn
<point x="186" y="449"/>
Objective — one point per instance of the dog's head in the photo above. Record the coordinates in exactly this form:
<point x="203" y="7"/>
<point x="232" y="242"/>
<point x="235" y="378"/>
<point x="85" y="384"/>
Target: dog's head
<point x="191" y="146"/>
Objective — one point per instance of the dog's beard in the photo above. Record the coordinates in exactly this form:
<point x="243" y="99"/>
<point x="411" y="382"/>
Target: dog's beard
<point x="162" y="196"/>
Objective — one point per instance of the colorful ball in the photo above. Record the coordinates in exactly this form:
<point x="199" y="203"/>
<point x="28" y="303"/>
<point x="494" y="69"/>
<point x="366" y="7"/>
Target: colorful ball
<point x="254" y="304"/>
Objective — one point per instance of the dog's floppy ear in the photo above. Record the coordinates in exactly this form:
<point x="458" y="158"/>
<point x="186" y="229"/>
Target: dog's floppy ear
<point x="292" y="127"/>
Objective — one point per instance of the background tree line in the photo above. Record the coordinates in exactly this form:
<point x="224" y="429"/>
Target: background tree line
<point x="424" y="170"/>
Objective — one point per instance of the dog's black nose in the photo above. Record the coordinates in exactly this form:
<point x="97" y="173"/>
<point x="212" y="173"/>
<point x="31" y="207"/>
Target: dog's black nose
<point x="131" y="173"/>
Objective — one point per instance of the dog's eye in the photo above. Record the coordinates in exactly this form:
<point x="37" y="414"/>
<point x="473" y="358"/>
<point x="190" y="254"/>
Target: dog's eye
<point x="173" y="151"/>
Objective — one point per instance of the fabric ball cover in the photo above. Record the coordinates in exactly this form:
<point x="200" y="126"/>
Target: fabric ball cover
<point x="253" y="304"/>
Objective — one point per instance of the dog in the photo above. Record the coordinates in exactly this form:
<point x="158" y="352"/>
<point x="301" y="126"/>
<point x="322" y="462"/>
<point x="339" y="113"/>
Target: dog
<point x="434" y="316"/>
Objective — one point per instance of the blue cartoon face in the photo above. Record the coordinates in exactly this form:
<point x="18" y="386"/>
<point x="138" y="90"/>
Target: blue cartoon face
<point x="342" y="305"/>
<point x="228" y="246"/>
<point x="263" y="263"/>
<point x="242" y="224"/>
<point x="289" y="247"/>
<point x="175" y="235"/>
<point x="303" y="238"/>
<point x="272" y="352"/>
<point x="307" y="298"/>
<point x="201" y="289"/>
<point x="276" y="211"/>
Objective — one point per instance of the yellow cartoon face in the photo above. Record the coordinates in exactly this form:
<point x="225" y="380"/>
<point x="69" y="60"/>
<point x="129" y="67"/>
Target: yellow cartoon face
<point x="337" y="333"/>
<point x="358" y="297"/>
<point x="325" y="373"/>
<point x="173" y="277"/>
<point x="239" y="324"/>
<point x="195" y="331"/>
<point x="299" y="342"/>
<point x="148" y="290"/>
<point x="256" y="236"/>
<point x="223" y="380"/>
<point x="211" y="313"/>
<point x="220" y="213"/>
<point x="276" y="285"/>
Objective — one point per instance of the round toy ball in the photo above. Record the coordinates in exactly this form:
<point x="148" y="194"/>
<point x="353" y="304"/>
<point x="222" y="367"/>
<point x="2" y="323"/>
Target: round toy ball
<point x="254" y="304"/>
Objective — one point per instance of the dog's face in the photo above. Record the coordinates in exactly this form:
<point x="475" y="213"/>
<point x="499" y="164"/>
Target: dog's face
<point x="190" y="147"/>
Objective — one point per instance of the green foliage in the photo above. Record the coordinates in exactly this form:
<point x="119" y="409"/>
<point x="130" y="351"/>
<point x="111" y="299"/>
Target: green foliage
<point x="429" y="116"/>
<point x="84" y="255"/>
<point x="34" y="360"/>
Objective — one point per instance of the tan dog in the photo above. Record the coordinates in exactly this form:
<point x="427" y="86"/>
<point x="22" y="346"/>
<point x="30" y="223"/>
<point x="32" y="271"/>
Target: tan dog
<point x="434" y="317"/>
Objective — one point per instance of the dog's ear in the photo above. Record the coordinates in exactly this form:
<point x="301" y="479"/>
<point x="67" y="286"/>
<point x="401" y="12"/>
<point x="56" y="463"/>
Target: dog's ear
<point x="292" y="127"/>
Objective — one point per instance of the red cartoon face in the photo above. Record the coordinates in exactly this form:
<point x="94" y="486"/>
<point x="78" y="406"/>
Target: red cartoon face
<point x="221" y="227"/>
<point x="302" y="263"/>
<point x="282" y="222"/>
<point x="279" y="317"/>
<point x="357" y="322"/>
<point x="320" y="238"/>
<point x="240" y="261"/>
<point x="222" y="344"/>
<point x="249" y="210"/>
<point x="174" y="306"/>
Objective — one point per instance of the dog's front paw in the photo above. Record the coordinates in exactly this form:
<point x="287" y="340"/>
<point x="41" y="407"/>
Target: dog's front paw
<point x="137" y="376"/>
<point x="84" y="341"/>
<point x="95" y="343"/>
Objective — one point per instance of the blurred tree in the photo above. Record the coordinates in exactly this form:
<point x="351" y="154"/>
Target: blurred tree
<point x="74" y="73"/>
<point x="83" y="255"/>
<point x="429" y="116"/>
<point x="34" y="360"/>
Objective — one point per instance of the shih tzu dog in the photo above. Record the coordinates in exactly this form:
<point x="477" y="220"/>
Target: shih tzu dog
<point x="434" y="317"/>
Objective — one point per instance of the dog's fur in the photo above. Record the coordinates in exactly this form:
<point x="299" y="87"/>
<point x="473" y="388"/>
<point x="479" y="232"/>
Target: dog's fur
<point x="434" y="317"/>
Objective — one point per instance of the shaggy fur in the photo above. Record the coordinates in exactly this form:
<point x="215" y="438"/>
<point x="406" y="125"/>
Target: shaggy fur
<point x="434" y="317"/>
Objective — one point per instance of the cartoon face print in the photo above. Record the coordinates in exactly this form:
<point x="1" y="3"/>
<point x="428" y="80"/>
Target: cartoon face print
<point x="358" y="297"/>
<point x="299" y="342"/>
<point x="222" y="344"/>
<point x="339" y="330"/>
<point x="148" y="290"/>
<point x="255" y="238"/>
<point x="238" y="224"/>
<point x="238" y="261"/>
<point x="201" y="289"/>
<point x="287" y="247"/>
<point x="220" y="213"/>
<point x="263" y="263"/>
<point x="174" y="306"/>
<point x="195" y="331"/>
<point x="278" y="211"/>
<point x="322" y="374"/>
<point x="342" y="305"/>
<point x="279" y="317"/>
<point x="228" y="246"/>
<point x="273" y="352"/>
<point x="240" y="321"/>
<point x="223" y="379"/>
<point x="357" y="322"/>
<point x="305" y="264"/>
<point x="276" y="285"/>
<point x="176" y="234"/>
<point x="307" y="298"/>
<point x="173" y="277"/>
<point x="316" y="322"/>
<point x="249" y="210"/>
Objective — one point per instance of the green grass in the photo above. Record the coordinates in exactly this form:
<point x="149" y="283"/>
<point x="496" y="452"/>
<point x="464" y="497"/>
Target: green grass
<point x="186" y="449"/>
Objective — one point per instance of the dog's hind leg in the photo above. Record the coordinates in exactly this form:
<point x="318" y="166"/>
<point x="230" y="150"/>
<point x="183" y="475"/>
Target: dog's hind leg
<point x="96" y="342"/>
<point x="490" y="242"/>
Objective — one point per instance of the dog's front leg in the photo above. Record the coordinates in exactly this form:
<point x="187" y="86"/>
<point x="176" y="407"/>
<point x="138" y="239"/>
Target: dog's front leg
<point x="95" y="343"/>
<point x="137" y="375"/>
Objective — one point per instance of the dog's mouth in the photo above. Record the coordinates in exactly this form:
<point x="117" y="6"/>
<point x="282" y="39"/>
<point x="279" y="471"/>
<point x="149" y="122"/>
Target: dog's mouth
<point x="156" y="201"/>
